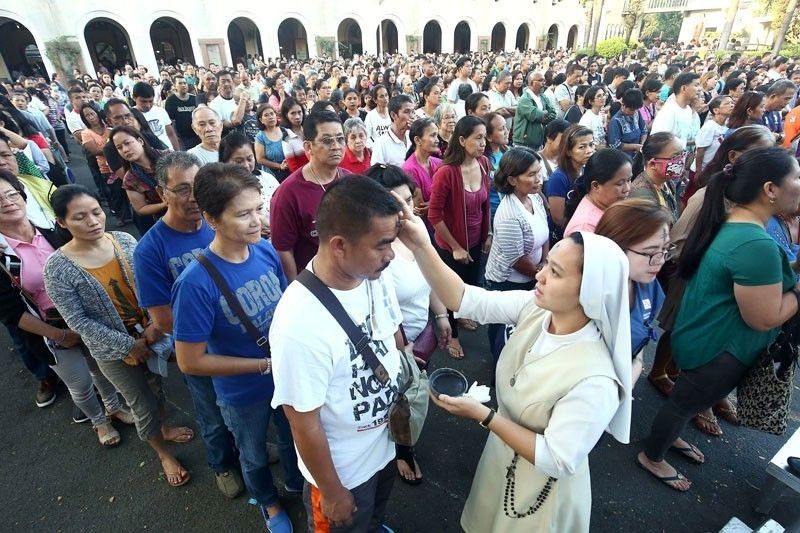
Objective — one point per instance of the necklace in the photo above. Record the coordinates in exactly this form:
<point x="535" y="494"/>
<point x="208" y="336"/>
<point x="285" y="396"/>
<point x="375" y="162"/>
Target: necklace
<point x="316" y="178"/>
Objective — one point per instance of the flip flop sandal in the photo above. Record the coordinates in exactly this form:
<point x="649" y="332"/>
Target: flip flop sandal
<point x="454" y="352"/>
<point x="185" y="434"/>
<point x="666" y="480"/>
<point x="662" y="383"/>
<point x="469" y="325"/>
<point x="123" y="414"/>
<point x="727" y="414"/>
<point x="185" y="477"/>
<point x="407" y="455"/>
<point x="691" y="452"/>
<point x="702" y="422"/>
<point x="111" y="438"/>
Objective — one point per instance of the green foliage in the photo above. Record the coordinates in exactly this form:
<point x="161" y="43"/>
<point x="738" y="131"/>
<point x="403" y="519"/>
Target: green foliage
<point x="662" y="25"/>
<point x="791" y="50"/>
<point x="612" y="47"/>
<point x="777" y="9"/>
<point x="64" y="52"/>
<point x="587" y="51"/>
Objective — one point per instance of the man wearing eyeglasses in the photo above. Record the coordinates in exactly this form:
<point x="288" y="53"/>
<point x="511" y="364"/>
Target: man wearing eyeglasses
<point x="161" y="255"/>
<point x="294" y="205"/>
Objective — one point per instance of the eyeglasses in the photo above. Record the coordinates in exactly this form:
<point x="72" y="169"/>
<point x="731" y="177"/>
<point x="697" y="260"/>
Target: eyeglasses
<point x="183" y="190"/>
<point x="329" y="142"/>
<point x="659" y="257"/>
<point x="11" y="196"/>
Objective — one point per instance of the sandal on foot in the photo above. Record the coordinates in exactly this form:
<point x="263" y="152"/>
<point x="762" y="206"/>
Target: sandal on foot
<point x="177" y="478"/>
<point x="180" y="434"/>
<point x="690" y="452"/>
<point x="111" y="436"/>
<point x="123" y="414"/>
<point x="455" y="351"/>
<point x="707" y="424"/>
<point x="728" y="414"/>
<point x="666" y="480"/>
<point x="407" y="456"/>
<point x="469" y="325"/>
<point x="662" y="383"/>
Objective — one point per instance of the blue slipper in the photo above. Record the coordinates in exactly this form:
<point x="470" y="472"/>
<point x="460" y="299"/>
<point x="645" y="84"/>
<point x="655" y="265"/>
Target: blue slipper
<point x="386" y="529"/>
<point x="280" y="523"/>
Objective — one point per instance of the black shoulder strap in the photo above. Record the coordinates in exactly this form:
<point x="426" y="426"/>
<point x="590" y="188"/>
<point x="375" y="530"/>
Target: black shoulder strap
<point x="233" y="303"/>
<point x="359" y="339"/>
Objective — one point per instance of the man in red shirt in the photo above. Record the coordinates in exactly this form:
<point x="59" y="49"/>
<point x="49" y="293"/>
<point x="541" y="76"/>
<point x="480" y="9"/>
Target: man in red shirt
<point x="293" y="209"/>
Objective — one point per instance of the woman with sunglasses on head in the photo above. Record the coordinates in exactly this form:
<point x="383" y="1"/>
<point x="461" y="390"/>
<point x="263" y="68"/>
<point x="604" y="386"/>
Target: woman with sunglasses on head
<point x="740" y="290"/>
<point x="577" y="146"/>
<point x="90" y="280"/>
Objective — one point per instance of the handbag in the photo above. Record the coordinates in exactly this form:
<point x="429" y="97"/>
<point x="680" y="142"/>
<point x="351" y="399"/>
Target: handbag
<point x="764" y="395"/>
<point x="410" y="407"/>
<point x="233" y="303"/>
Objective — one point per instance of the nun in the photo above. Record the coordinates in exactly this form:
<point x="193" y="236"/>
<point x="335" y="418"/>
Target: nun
<point x="562" y="379"/>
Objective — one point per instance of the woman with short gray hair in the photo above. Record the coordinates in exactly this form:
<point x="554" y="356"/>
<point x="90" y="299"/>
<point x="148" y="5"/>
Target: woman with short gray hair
<point x="356" y="154"/>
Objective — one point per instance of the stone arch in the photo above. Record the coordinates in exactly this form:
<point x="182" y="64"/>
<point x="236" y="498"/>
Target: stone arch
<point x="171" y="40"/>
<point x="108" y="43"/>
<point x="350" y="38"/>
<point x="244" y="39"/>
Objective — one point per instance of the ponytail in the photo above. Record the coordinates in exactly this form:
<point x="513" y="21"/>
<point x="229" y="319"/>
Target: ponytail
<point x="709" y="221"/>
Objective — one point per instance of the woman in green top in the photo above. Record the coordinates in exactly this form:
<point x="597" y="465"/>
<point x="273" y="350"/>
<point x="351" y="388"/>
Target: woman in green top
<point x="740" y="290"/>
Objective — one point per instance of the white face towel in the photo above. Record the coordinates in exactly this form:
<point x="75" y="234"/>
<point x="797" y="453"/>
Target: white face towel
<point x="604" y="298"/>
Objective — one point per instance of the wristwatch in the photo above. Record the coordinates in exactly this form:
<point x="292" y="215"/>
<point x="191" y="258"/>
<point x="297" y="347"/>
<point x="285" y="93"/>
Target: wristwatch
<point x="488" y="420"/>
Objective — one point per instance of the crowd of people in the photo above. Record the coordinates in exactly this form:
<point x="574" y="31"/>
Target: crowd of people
<point x="582" y="208"/>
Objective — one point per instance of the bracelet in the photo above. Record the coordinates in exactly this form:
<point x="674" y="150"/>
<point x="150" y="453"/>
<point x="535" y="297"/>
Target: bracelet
<point x="267" y="368"/>
<point x="441" y="315"/>
<point x="488" y="419"/>
<point x="64" y="335"/>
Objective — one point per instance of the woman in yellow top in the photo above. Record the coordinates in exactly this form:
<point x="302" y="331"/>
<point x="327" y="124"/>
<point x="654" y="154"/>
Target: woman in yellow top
<point x="562" y="379"/>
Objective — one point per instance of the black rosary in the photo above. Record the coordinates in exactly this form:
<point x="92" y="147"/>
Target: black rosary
<point x="508" y="499"/>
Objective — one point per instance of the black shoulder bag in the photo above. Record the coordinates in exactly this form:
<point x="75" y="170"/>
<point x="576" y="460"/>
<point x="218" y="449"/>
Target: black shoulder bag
<point x="233" y="303"/>
<point x="407" y="413"/>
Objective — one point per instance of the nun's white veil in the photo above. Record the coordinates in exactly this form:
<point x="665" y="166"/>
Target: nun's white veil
<point x="604" y="298"/>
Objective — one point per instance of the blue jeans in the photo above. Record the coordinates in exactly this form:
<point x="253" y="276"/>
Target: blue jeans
<point x="249" y="423"/>
<point x="496" y="340"/>
<point x="35" y="366"/>
<point x="220" y="447"/>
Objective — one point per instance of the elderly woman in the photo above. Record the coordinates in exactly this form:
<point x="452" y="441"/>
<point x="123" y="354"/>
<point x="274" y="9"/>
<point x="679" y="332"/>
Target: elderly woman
<point x="421" y="164"/>
<point x="445" y="119"/>
<point x="356" y="154"/>
<point x="563" y="378"/>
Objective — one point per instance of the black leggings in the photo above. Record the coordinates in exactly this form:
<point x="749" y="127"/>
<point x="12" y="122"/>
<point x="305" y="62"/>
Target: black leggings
<point x="695" y="390"/>
<point x="469" y="274"/>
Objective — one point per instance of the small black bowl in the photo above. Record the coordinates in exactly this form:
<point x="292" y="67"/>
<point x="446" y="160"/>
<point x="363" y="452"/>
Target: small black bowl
<point x="448" y="381"/>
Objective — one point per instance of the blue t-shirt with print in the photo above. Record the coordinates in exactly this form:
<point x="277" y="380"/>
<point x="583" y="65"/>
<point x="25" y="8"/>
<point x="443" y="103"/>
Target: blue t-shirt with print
<point x="647" y="301"/>
<point x="494" y="196"/>
<point x="201" y="314"/>
<point x="160" y="257"/>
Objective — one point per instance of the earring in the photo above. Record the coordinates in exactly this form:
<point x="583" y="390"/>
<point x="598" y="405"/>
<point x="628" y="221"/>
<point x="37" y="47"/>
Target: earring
<point x="772" y="200"/>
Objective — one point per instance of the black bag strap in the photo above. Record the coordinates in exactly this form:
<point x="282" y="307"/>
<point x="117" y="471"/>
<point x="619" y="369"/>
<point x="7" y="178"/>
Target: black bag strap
<point x="359" y="339"/>
<point x="233" y="303"/>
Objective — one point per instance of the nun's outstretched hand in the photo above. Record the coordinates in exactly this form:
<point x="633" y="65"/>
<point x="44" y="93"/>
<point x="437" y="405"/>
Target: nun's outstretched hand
<point x="464" y="406"/>
<point x="413" y="232"/>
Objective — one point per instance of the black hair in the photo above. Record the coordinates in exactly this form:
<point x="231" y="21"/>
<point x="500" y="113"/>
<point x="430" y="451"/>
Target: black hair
<point x="622" y="87"/>
<point x="748" y="101"/>
<point x="600" y="168"/>
<point x="682" y="80"/>
<point x="313" y="120"/>
<point x="349" y="205"/>
<point x="671" y="72"/>
<point x="556" y="126"/>
<point x="580" y="92"/>
<point x="320" y="106"/>
<point x="99" y="114"/>
<point x="143" y="90"/>
<point x="390" y="177"/>
<point x="633" y="99"/>
<point x="731" y="84"/>
<point x="230" y="143"/>
<point x="590" y="95"/>
<point x="63" y="195"/>
<point x="216" y="184"/>
<point x="715" y="103"/>
<point x="744" y="138"/>
<point x="652" y="85"/>
<point x="515" y="162"/>
<point x="741" y="185"/>
<point x="455" y="153"/>
<point x="656" y="143"/>
<point x="287" y="104"/>
<point x="461" y="60"/>
<point x="472" y="101"/>
<point x="464" y="91"/>
<point x="151" y="153"/>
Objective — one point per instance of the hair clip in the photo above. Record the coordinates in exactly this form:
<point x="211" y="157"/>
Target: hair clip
<point x="728" y="169"/>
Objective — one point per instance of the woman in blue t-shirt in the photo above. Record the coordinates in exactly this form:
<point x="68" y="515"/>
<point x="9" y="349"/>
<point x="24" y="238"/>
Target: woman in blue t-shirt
<point x="577" y="147"/>
<point x="641" y="228"/>
<point x="211" y="339"/>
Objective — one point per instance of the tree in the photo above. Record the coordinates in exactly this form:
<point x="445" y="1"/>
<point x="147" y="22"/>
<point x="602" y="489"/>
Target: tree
<point x="598" y="10"/>
<point x="662" y="26"/>
<point x="730" y="17"/>
<point x="785" y="23"/>
<point x="631" y="16"/>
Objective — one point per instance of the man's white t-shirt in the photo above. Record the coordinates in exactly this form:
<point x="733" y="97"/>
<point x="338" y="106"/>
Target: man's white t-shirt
<point x="376" y="126"/>
<point x="315" y="366"/>
<point x="205" y="156"/>
<point x="563" y="92"/>
<point x="452" y="91"/>
<point x="224" y="107"/>
<point x="498" y="101"/>
<point x="74" y="121"/>
<point x="675" y="119"/>
<point x="158" y="119"/>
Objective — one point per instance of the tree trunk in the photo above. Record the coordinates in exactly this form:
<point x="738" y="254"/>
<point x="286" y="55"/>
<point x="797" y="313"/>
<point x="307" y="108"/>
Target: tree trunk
<point x="781" y="35"/>
<point x="589" y="24"/>
<point x="730" y="17"/>
<point x="629" y="32"/>
<point x="596" y="25"/>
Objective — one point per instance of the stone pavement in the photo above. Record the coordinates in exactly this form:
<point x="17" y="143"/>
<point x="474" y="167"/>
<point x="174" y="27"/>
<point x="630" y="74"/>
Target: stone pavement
<point x="56" y="477"/>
